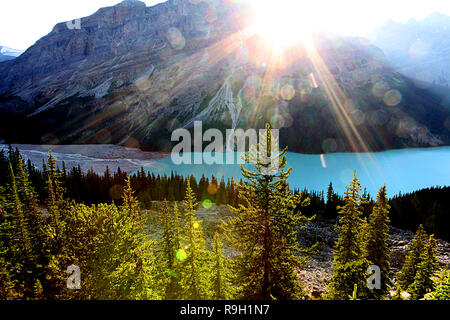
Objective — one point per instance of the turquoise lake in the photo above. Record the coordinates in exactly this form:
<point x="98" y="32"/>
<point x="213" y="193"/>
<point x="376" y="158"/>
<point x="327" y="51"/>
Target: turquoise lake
<point x="403" y="170"/>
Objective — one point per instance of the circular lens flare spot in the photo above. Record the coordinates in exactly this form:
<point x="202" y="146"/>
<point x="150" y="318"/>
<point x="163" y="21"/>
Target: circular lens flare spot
<point x="392" y="98"/>
<point x="176" y="38"/>
<point x="287" y="92"/>
<point x="379" y="89"/>
<point x="207" y="204"/>
<point x="181" y="255"/>
<point x="212" y="189"/>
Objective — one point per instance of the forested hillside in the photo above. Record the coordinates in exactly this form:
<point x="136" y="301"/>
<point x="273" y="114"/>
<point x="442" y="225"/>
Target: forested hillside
<point x="44" y="232"/>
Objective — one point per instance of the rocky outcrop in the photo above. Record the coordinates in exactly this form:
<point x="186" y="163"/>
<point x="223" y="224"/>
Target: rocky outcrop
<point x="318" y="272"/>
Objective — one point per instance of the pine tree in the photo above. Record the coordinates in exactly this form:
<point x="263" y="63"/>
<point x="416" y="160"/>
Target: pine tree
<point x="16" y="231"/>
<point x="442" y="285"/>
<point x="28" y="198"/>
<point x="56" y="235"/>
<point x="174" y="289"/>
<point x="55" y="195"/>
<point x="122" y="263"/>
<point x="220" y="287"/>
<point x="330" y="207"/>
<point x="176" y="227"/>
<point x="194" y="270"/>
<point x="7" y="285"/>
<point x="25" y="189"/>
<point x="169" y="246"/>
<point x="349" y="265"/>
<point x="413" y="259"/>
<point x="130" y="203"/>
<point x="376" y="244"/>
<point x="423" y="281"/>
<point x="4" y="168"/>
<point x="263" y="228"/>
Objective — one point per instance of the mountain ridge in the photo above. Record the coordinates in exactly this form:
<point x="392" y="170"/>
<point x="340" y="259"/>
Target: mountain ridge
<point x="132" y="74"/>
<point x="418" y="49"/>
<point x="7" y="54"/>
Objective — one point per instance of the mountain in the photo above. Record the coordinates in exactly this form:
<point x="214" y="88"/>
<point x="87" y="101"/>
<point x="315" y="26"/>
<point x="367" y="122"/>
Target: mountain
<point x="418" y="49"/>
<point x="132" y="74"/>
<point x="8" y="53"/>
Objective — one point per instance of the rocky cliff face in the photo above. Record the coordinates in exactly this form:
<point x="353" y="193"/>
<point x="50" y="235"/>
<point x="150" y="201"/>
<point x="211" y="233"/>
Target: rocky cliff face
<point x="132" y="74"/>
<point x="113" y="47"/>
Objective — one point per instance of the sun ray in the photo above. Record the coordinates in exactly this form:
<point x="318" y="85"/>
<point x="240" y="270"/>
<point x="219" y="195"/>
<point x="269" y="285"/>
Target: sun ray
<point x="337" y="98"/>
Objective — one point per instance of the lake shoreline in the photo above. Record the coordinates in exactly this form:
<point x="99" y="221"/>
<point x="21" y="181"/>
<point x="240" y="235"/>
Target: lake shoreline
<point x="402" y="170"/>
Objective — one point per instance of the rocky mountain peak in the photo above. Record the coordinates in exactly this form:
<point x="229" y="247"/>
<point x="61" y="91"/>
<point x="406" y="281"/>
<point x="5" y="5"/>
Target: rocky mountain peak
<point x="131" y="3"/>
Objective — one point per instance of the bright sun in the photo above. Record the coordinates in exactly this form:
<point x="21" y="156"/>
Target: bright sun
<point x="284" y="22"/>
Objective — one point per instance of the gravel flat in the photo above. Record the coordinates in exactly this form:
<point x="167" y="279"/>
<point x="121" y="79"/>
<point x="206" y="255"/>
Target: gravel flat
<point x="95" y="157"/>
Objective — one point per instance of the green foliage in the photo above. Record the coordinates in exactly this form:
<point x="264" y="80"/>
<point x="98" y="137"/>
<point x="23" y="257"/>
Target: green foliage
<point x="426" y="270"/>
<point x="332" y="203"/>
<point x="263" y="229"/>
<point x="413" y="258"/>
<point x="39" y="244"/>
<point x="18" y="241"/>
<point x="110" y="243"/>
<point x="168" y="247"/>
<point x="122" y="267"/>
<point x="220" y="287"/>
<point x="194" y="270"/>
<point x="376" y="246"/>
<point x="428" y="207"/>
<point x="350" y="264"/>
<point x="442" y="285"/>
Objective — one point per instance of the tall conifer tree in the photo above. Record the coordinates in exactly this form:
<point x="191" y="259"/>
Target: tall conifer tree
<point x="349" y="265"/>
<point x="413" y="259"/>
<point x="220" y="287"/>
<point x="377" y="249"/>
<point x="426" y="270"/>
<point x="194" y="270"/>
<point x="263" y="228"/>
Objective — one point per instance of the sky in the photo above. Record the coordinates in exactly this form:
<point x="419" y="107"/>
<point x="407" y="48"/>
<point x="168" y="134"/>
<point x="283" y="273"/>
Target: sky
<point x="23" y="22"/>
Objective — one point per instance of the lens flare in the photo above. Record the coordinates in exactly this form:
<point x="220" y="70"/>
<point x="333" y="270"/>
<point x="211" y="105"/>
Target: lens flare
<point x="176" y="38"/>
<point x="287" y="92"/>
<point x="207" y="204"/>
<point x="392" y="98"/>
<point x="181" y="255"/>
